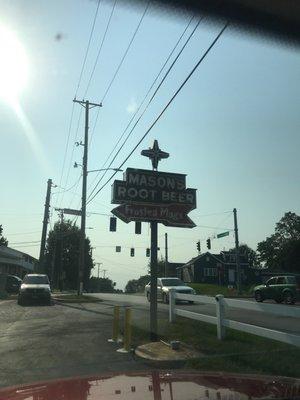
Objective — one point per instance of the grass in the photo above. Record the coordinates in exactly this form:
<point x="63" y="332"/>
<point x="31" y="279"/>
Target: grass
<point x="212" y="290"/>
<point x="73" y="298"/>
<point x="238" y="352"/>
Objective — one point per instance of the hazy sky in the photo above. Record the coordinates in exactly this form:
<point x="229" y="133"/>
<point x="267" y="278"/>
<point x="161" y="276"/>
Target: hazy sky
<point x="234" y="128"/>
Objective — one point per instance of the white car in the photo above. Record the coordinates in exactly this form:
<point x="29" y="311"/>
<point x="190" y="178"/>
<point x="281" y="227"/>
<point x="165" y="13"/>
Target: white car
<point x="165" y="284"/>
<point x="35" y="287"/>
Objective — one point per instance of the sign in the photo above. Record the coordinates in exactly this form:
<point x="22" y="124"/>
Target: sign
<point x="220" y="235"/>
<point x="144" y="186"/>
<point x="170" y="214"/>
<point x="71" y="211"/>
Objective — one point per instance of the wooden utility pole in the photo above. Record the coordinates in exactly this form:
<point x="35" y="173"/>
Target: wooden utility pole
<point x="237" y="252"/>
<point x="87" y="105"/>
<point x="45" y="225"/>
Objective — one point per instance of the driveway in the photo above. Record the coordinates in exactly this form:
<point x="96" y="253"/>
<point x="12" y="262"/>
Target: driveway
<point x="49" y="342"/>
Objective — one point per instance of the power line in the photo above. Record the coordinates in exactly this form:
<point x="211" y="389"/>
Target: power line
<point x="72" y="153"/>
<point x="76" y="91"/>
<point x="119" y="65"/>
<point x="22" y="233"/>
<point x="165" y="108"/>
<point x="126" y="52"/>
<point x="87" y="48"/>
<point x="68" y="189"/>
<point x="100" y="48"/>
<point x="138" y="109"/>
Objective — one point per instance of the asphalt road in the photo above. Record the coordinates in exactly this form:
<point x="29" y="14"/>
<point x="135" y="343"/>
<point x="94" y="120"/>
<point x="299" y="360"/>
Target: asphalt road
<point x="280" y="323"/>
<point x="49" y="342"/>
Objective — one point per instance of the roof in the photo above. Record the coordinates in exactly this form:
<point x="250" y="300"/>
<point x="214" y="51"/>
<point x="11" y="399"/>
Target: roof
<point x="216" y="256"/>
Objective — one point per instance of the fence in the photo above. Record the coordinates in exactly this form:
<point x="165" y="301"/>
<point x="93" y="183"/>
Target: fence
<point x="222" y="323"/>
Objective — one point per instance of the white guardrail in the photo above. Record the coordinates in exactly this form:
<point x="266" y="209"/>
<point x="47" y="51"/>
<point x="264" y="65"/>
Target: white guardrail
<point x="220" y="320"/>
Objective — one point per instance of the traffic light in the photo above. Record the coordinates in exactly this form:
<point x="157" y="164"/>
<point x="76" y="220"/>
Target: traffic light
<point x="113" y="224"/>
<point x="198" y="246"/>
<point x="118" y="249"/>
<point x="138" y="227"/>
<point x="132" y="252"/>
<point x="208" y="244"/>
<point x="148" y="252"/>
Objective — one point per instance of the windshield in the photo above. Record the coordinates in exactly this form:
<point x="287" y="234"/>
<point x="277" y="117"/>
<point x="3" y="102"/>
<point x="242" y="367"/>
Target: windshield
<point x="148" y="142"/>
<point x="35" y="279"/>
<point x="172" y="282"/>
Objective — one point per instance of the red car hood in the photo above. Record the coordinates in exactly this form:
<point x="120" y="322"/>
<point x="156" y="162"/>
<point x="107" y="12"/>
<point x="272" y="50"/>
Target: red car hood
<point x="159" y="386"/>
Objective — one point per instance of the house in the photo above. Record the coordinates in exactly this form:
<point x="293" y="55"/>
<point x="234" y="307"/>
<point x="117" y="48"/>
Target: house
<point x="218" y="269"/>
<point x="16" y="262"/>
<point x="172" y="268"/>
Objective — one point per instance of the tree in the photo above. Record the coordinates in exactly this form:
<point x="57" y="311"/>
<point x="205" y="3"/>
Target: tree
<point x="3" y="240"/>
<point x="282" y="249"/>
<point x="101" y="285"/>
<point x="62" y="256"/>
<point x="137" y="285"/>
<point x="160" y="267"/>
<point x="248" y="253"/>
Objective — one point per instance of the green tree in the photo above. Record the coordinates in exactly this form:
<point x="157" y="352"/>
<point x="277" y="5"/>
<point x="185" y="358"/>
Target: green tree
<point x="62" y="256"/>
<point x="101" y="285"/>
<point x="160" y="267"/>
<point x="3" y="240"/>
<point x="282" y="249"/>
<point x="137" y="285"/>
<point x="250" y="254"/>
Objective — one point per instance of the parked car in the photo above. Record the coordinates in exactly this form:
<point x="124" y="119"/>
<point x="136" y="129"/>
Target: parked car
<point x="165" y="284"/>
<point x="35" y="287"/>
<point x="279" y="288"/>
<point x="12" y="285"/>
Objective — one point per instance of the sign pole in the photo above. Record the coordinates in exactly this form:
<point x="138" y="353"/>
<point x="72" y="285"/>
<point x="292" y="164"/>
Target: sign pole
<point x="153" y="289"/>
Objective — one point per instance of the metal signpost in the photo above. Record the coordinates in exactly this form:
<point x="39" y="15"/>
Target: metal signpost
<point x="155" y="197"/>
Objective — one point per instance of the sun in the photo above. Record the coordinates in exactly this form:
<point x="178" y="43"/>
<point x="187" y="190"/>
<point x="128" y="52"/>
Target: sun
<point x="14" y="66"/>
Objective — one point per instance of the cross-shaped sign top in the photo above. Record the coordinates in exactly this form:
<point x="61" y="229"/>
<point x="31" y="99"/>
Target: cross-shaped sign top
<point x="155" y="154"/>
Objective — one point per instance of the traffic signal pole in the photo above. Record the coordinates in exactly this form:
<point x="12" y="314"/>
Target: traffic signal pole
<point x="237" y="253"/>
<point x="87" y="105"/>
<point x="45" y="225"/>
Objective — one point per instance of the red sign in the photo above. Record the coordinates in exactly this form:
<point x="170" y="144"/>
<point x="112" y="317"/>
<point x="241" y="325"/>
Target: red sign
<point x="168" y="214"/>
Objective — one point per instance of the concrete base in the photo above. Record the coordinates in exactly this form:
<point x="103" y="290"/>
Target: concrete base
<point x="160" y="354"/>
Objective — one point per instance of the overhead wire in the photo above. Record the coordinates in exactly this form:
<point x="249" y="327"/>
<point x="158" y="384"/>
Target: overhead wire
<point x="139" y="107"/>
<point x="165" y="108"/>
<point x="100" y="48"/>
<point x="120" y="65"/>
<point x="87" y="48"/>
<point x="76" y="92"/>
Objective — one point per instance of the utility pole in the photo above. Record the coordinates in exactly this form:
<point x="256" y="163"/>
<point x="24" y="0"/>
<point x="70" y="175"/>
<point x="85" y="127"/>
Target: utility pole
<point x="166" y="254"/>
<point x="45" y="225"/>
<point x="98" y="268"/>
<point x="104" y="272"/>
<point x="87" y="105"/>
<point x="237" y="253"/>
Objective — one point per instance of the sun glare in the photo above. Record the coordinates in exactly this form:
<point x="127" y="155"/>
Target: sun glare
<point x="13" y="66"/>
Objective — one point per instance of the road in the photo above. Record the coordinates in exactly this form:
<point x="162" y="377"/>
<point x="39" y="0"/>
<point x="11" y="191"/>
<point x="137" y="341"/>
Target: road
<point x="49" y="342"/>
<point x="284" y="324"/>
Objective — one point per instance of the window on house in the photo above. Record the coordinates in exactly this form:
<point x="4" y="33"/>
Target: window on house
<point x="210" y="272"/>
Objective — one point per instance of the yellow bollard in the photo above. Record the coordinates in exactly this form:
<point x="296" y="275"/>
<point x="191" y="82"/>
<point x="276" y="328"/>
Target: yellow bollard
<point x="115" y="335"/>
<point x="127" y="330"/>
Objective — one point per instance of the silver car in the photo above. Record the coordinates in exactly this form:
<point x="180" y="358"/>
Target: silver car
<point x="165" y="284"/>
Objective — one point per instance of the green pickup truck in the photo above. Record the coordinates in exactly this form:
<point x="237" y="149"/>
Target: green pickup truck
<point x="279" y="288"/>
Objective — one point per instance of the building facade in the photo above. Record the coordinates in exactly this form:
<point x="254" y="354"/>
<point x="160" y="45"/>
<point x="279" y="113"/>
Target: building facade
<point x="218" y="269"/>
<point x="15" y="262"/>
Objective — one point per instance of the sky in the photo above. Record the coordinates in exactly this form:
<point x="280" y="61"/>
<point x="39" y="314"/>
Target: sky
<point x="233" y="129"/>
